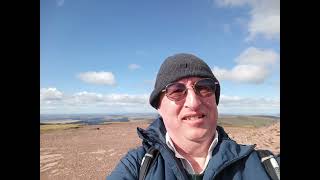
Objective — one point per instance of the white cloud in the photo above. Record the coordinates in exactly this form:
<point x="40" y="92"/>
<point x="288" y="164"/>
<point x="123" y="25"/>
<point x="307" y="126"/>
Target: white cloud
<point x="264" y="16"/>
<point x="50" y="94"/>
<point x="260" y="57"/>
<point x="85" y="98"/>
<point x="243" y="74"/>
<point x="60" y="2"/>
<point x="107" y="99"/>
<point x="91" y="102"/>
<point x="133" y="66"/>
<point x="249" y="102"/>
<point x="266" y="25"/>
<point x="232" y="2"/>
<point x="253" y="66"/>
<point x="100" y="78"/>
<point x="244" y="105"/>
<point x="53" y="101"/>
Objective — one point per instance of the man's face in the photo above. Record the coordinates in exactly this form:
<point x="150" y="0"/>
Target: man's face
<point x="193" y="118"/>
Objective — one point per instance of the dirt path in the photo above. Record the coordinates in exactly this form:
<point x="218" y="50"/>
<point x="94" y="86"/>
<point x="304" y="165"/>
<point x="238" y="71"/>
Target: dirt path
<point x="91" y="152"/>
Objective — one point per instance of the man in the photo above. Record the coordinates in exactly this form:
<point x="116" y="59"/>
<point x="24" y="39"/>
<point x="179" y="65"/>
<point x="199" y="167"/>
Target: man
<point x="190" y="144"/>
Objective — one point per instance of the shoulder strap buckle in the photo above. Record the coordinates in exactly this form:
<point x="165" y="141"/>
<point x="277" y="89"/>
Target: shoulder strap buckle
<point x="270" y="164"/>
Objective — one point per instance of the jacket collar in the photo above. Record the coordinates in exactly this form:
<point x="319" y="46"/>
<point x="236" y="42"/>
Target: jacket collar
<point x="154" y="133"/>
<point x="225" y="153"/>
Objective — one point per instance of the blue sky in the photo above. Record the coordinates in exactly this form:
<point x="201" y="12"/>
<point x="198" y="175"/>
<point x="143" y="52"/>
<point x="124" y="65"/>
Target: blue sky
<point x="102" y="56"/>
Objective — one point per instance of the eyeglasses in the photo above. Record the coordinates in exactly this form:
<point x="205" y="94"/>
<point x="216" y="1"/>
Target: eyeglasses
<point x="178" y="91"/>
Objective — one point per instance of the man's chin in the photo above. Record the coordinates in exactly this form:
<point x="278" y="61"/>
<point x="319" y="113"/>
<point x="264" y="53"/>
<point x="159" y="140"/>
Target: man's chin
<point x="199" y="135"/>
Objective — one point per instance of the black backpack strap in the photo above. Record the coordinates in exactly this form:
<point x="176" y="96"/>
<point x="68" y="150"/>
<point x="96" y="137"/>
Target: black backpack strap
<point x="270" y="164"/>
<point x="147" y="160"/>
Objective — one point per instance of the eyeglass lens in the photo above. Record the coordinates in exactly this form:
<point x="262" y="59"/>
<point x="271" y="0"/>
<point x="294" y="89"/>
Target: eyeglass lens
<point x="203" y="88"/>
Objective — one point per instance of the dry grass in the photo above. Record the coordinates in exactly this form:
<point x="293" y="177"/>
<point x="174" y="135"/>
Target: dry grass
<point x="92" y="152"/>
<point x="245" y="121"/>
<point x="53" y="127"/>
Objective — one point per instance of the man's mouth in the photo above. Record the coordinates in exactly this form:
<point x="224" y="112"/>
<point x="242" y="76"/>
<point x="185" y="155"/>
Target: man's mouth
<point x="193" y="117"/>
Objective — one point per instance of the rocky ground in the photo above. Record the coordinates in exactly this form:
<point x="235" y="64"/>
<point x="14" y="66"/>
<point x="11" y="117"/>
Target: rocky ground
<point x="91" y="152"/>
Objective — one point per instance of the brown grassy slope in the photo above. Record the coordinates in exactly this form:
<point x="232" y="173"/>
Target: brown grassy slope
<point x="266" y="137"/>
<point x="91" y="152"/>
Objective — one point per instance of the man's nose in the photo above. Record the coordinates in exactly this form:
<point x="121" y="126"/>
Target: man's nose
<point x="193" y="101"/>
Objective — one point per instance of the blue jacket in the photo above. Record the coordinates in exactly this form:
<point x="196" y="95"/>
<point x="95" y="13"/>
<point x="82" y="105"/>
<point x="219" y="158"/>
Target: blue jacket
<point x="230" y="161"/>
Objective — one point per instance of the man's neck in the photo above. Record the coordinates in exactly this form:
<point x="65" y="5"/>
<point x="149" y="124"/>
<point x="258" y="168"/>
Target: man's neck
<point x="197" y="157"/>
<point x="193" y="149"/>
<point x="195" y="152"/>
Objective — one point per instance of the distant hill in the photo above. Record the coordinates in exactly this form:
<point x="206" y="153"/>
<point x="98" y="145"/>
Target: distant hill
<point x="91" y="119"/>
<point x="250" y="121"/>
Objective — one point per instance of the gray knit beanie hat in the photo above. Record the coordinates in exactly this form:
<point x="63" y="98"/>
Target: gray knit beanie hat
<point x="177" y="67"/>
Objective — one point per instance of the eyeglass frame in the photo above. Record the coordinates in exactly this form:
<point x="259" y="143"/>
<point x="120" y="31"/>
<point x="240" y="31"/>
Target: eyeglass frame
<point x="193" y="87"/>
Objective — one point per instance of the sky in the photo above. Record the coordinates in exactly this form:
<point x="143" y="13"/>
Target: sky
<point x="102" y="56"/>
